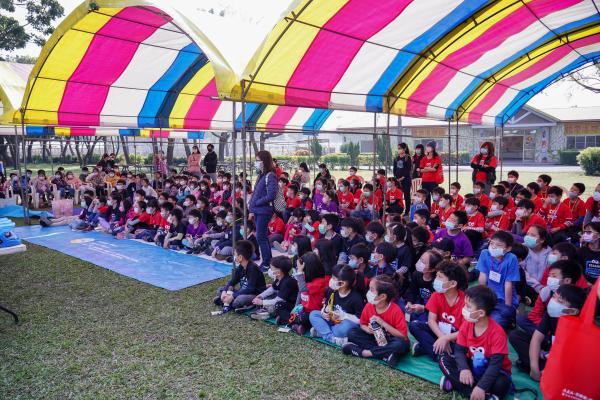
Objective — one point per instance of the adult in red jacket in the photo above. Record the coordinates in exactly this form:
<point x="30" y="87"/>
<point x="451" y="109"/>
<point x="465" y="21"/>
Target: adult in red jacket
<point x="484" y="166"/>
<point x="430" y="166"/>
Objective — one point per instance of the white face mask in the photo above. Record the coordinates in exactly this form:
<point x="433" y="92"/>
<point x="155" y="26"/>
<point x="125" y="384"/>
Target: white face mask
<point x="467" y="315"/>
<point x="469" y="210"/>
<point x="438" y="286"/>
<point x="334" y="284"/>
<point x="476" y="190"/>
<point x="371" y="298"/>
<point x="520" y="212"/>
<point x="555" y="309"/>
<point x="596" y="196"/>
<point x="553" y="283"/>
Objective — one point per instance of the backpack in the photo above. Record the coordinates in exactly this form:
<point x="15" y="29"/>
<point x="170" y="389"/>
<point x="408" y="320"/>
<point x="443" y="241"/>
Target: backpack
<point x="279" y="202"/>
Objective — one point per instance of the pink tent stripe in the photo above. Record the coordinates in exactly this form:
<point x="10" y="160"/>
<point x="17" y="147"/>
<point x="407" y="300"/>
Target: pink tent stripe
<point x="83" y="132"/>
<point x="547" y="61"/>
<point x="203" y="109"/>
<point x="330" y="54"/>
<point x="103" y="63"/>
<point x="514" y="23"/>
<point x="281" y="117"/>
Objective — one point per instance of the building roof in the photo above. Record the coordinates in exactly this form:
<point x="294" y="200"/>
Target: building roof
<point x="574" y="113"/>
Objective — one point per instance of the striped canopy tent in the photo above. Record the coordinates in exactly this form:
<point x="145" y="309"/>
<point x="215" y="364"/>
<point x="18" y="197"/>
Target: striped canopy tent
<point x="476" y="61"/>
<point x="139" y="64"/>
<point x="13" y="80"/>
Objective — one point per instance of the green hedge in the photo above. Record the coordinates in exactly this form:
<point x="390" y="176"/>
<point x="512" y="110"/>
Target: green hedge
<point x="589" y="159"/>
<point x="333" y="160"/>
<point x="568" y="157"/>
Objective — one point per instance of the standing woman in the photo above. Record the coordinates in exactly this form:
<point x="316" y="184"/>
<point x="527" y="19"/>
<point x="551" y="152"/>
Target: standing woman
<point x="416" y="160"/>
<point x="261" y="203"/>
<point x="193" y="161"/>
<point x="430" y="167"/>
<point x="484" y="166"/>
<point x="403" y="173"/>
<point x="160" y="164"/>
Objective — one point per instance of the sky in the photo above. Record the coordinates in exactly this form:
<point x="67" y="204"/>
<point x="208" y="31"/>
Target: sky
<point x="253" y="19"/>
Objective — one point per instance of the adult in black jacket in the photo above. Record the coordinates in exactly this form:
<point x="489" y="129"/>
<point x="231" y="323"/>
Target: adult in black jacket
<point x="403" y="172"/>
<point x="210" y="162"/>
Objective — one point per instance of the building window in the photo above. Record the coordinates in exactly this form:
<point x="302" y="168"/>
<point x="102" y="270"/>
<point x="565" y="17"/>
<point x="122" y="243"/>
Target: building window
<point x="582" y="142"/>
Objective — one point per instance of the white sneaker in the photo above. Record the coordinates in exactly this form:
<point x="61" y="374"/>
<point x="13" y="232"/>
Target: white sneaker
<point x="340" y="341"/>
<point x="314" y="333"/>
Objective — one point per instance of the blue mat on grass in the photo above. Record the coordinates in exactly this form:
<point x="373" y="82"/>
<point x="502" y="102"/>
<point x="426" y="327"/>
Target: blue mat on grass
<point x="17" y="212"/>
<point x="145" y="262"/>
<point x="425" y="368"/>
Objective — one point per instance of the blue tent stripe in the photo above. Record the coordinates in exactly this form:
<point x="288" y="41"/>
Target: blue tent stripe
<point x="531" y="91"/>
<point x="374" y="101"/>
<point x="39" y="131"/>
<point x="253" y="112"/>
<point x="129" y="132"/>
<point x="549" y="36"/>
<point x="163" y="94"/>
<point x="316" y="120"/>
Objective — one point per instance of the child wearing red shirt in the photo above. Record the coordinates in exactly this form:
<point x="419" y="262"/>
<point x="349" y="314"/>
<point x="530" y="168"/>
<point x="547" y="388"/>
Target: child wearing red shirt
<point x="475" y="227"/>
<point x="497" y="219"/>
<point x="276" y="228"/>
<point x="438" y="335"/>
<point x="525" y="217"/>
<point x="446" y="209"/>
<point x="312" y="284"/>
<point x="556" y="214"/>
<point x="345" y="198"/>
<point x="394" y="197"/>
<point x="480" y="365"/>
<point x="382" y="333"/>
<point x="457" y="199"/>
<point x="484" y="200"/>
<point x="575" y="204"/>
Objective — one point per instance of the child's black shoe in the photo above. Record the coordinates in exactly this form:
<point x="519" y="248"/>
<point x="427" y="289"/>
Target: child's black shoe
<point x="352" y="349"/>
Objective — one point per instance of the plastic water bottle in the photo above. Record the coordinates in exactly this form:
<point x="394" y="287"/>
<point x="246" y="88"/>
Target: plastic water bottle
<point x="479" y="364"/>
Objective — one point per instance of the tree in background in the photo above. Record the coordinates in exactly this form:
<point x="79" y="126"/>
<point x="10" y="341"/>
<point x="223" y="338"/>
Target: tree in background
<point x="316" y="150"/>
<point x="353" y="151"/>
<point x="39" y="16"/>
<point x="384" y="150"/>
<point x="588" y="78"/>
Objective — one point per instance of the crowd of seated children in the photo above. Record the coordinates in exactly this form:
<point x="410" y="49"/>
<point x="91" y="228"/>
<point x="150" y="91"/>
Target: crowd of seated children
<point x="353" y="266"/>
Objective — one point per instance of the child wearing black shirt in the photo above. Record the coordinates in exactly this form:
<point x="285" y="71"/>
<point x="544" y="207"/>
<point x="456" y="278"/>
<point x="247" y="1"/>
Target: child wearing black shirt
<point x="247" y="275"/>
<point x="279" y="298"/>
<point x="341" y="309"/>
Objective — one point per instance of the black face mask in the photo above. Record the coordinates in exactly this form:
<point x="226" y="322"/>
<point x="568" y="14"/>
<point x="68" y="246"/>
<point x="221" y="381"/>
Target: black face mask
<point x="210" y="149"/>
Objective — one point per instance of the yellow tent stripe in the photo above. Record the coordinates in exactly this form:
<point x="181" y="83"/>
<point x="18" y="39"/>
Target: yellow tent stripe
<point x="265" y="117"/>
<point x="188" y="95"/>
<point x="456" y="40"/>
<point x="46" y="94"/>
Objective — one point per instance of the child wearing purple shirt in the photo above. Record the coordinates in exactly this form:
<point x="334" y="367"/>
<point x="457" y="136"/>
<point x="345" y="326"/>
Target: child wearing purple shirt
<point x="328" y="204"/>
<point x="462" y="245"/>
<point x="195" y="228"/>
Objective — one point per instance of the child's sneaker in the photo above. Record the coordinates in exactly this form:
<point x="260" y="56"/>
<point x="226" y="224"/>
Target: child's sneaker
<point x="226" y="309"/>
<point x="445" y="384"/>
<point x="417" y="350"/>
<point x="241" y="310"/>
<point x="352" y="349"/>
<point x="260" y="315"/>
<point x="340" y="341"/>
<point x="313" y="332"/>
<point x="392" y="360"/>
<point x="491" y="397"/>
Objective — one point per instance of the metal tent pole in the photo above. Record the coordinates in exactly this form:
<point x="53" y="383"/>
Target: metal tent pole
<point x="387" y="151"/>
<point x="24" y="196"/>
<point x="449" y="160"/>
<point x="245" y="181"/>
<point x="457" y="152"/>
<point x="500" y="149"/>
<point x="234" y="137"/>
<point x="374" y="162"/>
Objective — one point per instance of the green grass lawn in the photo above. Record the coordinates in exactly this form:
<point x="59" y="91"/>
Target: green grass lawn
<point x="87" y="332"/>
